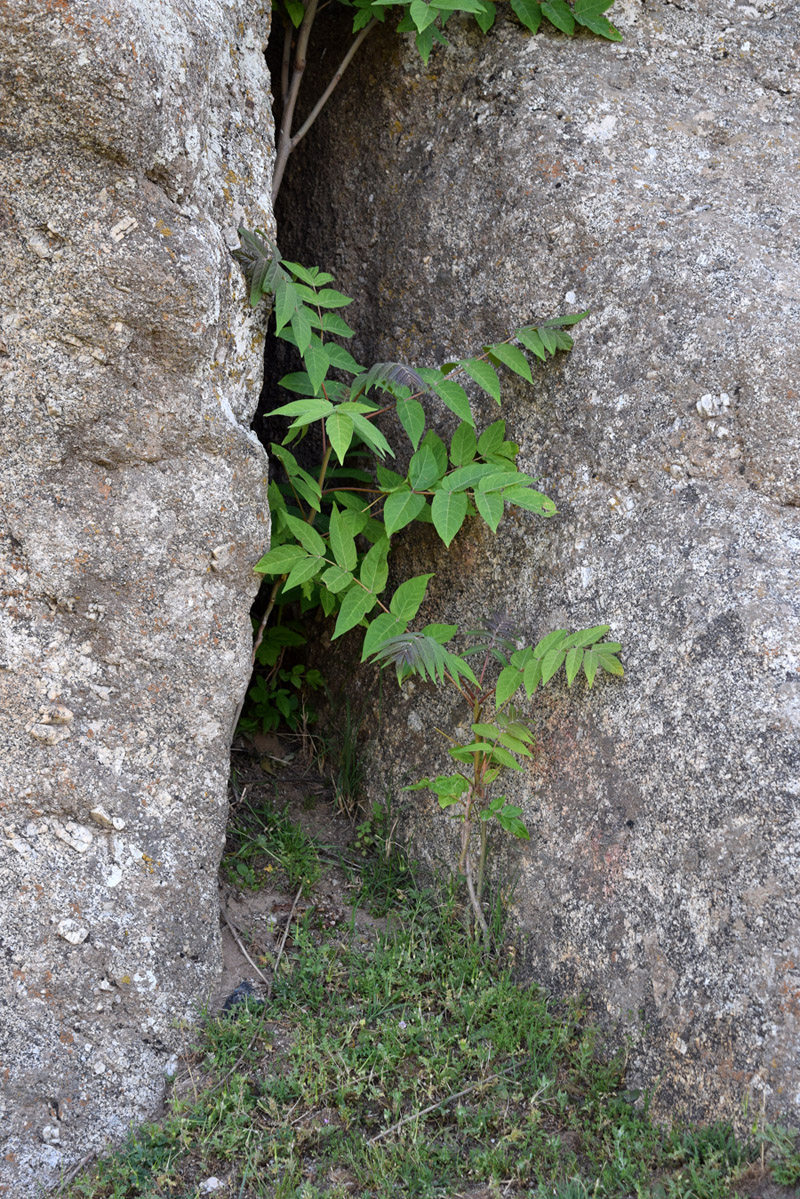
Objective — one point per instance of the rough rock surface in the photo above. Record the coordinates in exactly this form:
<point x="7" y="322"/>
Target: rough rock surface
<point x="133" y="141"/>
<point x="654" y="182"/>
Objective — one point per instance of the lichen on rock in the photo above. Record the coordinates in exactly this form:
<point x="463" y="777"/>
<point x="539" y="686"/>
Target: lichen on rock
<point x="133" y="509"/>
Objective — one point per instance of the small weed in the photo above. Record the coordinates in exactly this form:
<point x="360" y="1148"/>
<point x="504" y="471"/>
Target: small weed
<point x="265" y="840"/>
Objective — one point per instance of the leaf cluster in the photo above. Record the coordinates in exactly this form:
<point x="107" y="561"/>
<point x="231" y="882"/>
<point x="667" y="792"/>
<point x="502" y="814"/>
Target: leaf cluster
<point x="332" y="532"/>
<point x="426" y="21"/>
<point x="333" y="525"/>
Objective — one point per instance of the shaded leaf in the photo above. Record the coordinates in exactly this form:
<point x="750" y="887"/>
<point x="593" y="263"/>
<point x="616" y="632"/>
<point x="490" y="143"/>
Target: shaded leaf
<point x="449" y="510"/>
<point x="355" y="606"/>
<point x="400" y="508"/>
<point x="529" y="13"/>
<point x="559" y="14"/>
<point x="412" y="418"/>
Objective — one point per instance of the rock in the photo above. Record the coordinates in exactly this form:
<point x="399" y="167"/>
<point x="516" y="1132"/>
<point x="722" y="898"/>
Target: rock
<point x="133" y="507"/>
<point x="652" y="182"/>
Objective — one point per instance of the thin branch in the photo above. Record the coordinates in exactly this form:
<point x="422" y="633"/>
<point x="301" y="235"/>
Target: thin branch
<point x="286" y="58"/>
<point x="286" y="142"/>
<point x="237" y="938"/>
<point x="323" y="100"/>
<point x="265" y="1004"/>
<point x="283" y="940"/>
<point x="287" y="116"/>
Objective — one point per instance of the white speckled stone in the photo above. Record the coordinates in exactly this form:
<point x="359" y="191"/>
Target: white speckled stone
<point x="132" y="509"/>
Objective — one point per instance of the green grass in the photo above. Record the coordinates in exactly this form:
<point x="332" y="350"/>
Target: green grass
<point x="263" y="840"/>
<point x="418" y="1067"/>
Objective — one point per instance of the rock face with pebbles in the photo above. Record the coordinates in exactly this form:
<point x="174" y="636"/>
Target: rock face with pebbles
<point x="654" y="182"/>
<point x="133" y="508"/>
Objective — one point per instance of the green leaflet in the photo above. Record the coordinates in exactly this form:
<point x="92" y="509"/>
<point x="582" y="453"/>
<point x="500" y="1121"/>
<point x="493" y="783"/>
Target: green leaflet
<point x="468" y="476"/>
<point x="400" y="508"/>
<point x="381" y="629"/>
<point x="486" y="16"/>
<point x="333" y="323"/>
<point x="409" y="595"/>
<point x="449" y="510"/>
<point x="306" y="411"/>
<point x="371" y="435"/>
<point x="355" y="606"/>
<point x="584" y="637"/>
<point x="507" y="685"/>
<point x="464" y="445"/>
<point x="484" y="375"/>
<point x="326" y="297"/>
<point x="456" y="399"/>
<point x="422" y="14"/>
<point x="341" y="541"/>
<point x="548" y="339"/>
<point x="309" y="538"/>
<point x="317" y="362"/>
<point x="559" y="14"/>
<point x="412" y="418"/>
<point x="423" y="470"/>
<point x="533" y="342"/>
<point x="374" y="568"/>
<point x="490" y="507"/>
<point x="491" y="438"/>
<point x="301" y="328"/>
<point x="286" y="301"/>
<point x="589" y="13"/>
<point x="512" y="357"/>
<point x="573" y="663"/>
<point x="551" y="663"/>
<point x="336" y="579"/>
<point x="339" y="428"/>
<point x="302" y="571"/>
<point x="280" y="560"/>
<point x="529" y="13"/>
